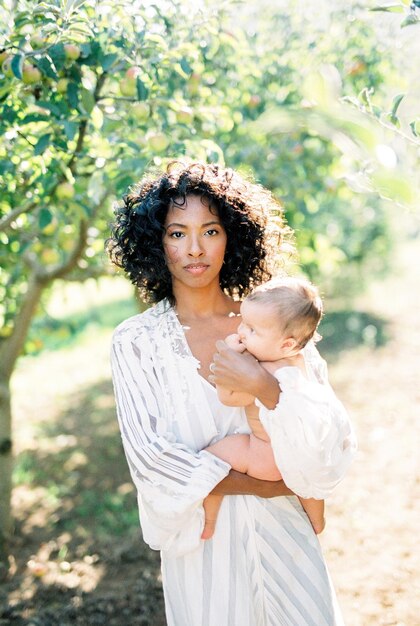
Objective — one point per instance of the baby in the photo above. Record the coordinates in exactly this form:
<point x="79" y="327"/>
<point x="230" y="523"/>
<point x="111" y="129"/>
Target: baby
<point x="278" y="320"/>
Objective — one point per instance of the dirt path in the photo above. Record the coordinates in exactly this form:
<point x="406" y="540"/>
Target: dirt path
<point x="77" y="563"/>
<point x="371" y="541"/>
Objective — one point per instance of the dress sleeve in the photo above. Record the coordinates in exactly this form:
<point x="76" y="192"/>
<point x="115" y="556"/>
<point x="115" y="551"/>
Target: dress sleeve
<point x="171" y="479"/>
<point x="310" y="432"/>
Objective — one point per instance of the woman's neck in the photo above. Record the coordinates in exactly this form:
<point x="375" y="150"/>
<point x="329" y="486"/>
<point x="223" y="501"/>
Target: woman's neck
<point x="203" y="303"/>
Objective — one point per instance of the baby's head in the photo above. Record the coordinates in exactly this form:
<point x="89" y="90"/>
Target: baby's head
<point x="280" y="317"/>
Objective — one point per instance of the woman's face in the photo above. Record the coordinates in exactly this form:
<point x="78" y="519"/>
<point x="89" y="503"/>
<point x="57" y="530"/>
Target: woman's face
<point x="194" y="242"/>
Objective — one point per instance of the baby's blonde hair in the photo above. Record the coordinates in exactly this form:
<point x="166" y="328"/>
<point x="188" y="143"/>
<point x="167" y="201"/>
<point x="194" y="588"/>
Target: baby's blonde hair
<point x="297" y="303"/>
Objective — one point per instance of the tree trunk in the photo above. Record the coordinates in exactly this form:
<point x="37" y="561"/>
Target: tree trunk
<point x="6" y="464"/>
<point x="10" y="349"/>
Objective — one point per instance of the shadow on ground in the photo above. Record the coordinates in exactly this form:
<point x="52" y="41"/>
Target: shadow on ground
<point x="79" y="557"/>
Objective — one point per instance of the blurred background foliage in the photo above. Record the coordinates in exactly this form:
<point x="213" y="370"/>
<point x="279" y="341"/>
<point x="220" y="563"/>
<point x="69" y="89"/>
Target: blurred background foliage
<point x="90" y="98"/>
<point x="314" y="100"/>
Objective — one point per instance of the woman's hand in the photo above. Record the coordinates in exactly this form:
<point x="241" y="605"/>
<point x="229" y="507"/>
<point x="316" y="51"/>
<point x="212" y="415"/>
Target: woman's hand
<point x="242" y="372"/>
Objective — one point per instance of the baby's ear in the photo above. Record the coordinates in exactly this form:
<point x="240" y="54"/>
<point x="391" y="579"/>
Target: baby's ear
<point x="289" y="344"/>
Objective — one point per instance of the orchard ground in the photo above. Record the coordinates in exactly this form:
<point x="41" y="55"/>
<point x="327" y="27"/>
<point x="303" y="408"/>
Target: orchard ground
<point x="78" y="558"/>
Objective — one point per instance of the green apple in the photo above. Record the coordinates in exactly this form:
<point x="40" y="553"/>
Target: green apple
<point x="6" y="67"/>
<point x="37" y="42"/>
<point x="128" y="87"/>
<point x="62" y="85"/>
<point x="65" y="191"/>
<point x="158" y="142"/>
<point x="71" y="51"/>
<point x="140" y="111"/>
<point x="185" y="115"/>
<point x="193" y="83"/>
<point x="50" y="256"/>
<point x="30" y="74"/>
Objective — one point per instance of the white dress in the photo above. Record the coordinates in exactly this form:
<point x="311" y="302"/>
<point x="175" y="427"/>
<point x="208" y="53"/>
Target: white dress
<point x="264" y="565"/>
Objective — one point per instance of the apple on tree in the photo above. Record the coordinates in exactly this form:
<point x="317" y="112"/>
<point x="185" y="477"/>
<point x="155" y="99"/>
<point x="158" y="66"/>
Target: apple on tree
<point x="157" y="141"/>
<point x="62" y="85"/>
<point x="6" y="67"/>
<point x="64" y="191"/>
<point x="37" y="42"/>
<point x="30" y="74"/>
<point x="184" y="115"/>
<point x="140" y="111"/>
<point x="71" y="51"/>
<point x="128" y="85"/>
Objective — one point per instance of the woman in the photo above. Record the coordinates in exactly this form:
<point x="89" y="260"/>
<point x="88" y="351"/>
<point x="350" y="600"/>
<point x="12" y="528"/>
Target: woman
<point x="195" y="239"/>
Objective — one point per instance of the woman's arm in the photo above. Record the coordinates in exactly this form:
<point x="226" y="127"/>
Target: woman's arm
<point x="171" y="479"/>
<point x="241" y="372"/>
<point x="236" y="483"/>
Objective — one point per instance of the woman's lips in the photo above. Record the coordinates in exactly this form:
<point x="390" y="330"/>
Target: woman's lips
<point x="196" y="269"/>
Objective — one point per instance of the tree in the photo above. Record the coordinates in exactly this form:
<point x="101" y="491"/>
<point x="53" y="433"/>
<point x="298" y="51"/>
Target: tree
<point x="302" y="136"/>
<point x="91" y="93"/>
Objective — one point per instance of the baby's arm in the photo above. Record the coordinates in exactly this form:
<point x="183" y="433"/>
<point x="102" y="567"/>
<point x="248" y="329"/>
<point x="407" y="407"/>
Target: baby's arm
<point x="247" y="454"/>
<point x="227" y="396"/>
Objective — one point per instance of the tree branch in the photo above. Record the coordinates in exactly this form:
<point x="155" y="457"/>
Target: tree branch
<point x="14" y="214"/>
<point x="49" y="274"/>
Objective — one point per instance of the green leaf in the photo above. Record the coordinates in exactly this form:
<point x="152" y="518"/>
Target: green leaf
<point x="390" y="8"/>
<point x="50" y="106"/>
<point x="42" y="144"/>
<point x="16" y="65"/>
<point x="46" y="66"/>
<point x="186" y="67"/>
<point x="4" y="92"/>
<point x="34" y="117"/>
<point x="142" y="90"/>
<point x="73" y="94"/>
<point x="45" y="218"/>
<point x="108" y="60"/>
<point x="87" y="101"/>
<point x="394" y="120"/>
<point x="396" y="103"/>
<point x="57" y="54"/>
<point x="70" y="128"/>
<point x="410" y="20"/>
<point x="394" y="187"/>
<point x="85" y="50"/>
<point x="415" y="128"/>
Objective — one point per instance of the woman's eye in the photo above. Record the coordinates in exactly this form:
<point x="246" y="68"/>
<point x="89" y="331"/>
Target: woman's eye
<point x="212" y="232"/>
<point x="176" y="234"/>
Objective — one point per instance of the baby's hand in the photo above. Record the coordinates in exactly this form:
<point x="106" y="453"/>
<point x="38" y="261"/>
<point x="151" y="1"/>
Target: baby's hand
<point x="233" y="341"/>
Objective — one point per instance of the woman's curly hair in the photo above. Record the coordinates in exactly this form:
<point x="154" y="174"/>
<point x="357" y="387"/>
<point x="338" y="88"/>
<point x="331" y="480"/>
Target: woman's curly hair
<point x="257" y="236"/>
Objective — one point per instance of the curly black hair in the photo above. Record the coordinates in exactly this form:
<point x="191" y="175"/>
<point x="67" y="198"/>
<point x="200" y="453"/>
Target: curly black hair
<point x="257" y="236"/>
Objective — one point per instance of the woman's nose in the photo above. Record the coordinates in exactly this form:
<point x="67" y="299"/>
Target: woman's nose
<point x="241" y="331"/>
<point x="195" y="247"/>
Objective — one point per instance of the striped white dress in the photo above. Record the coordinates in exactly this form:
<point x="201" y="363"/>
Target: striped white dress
<point x="264" y="565"/>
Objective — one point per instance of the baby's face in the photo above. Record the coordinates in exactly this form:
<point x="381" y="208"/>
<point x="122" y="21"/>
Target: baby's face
<point x="261" y="332"/>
